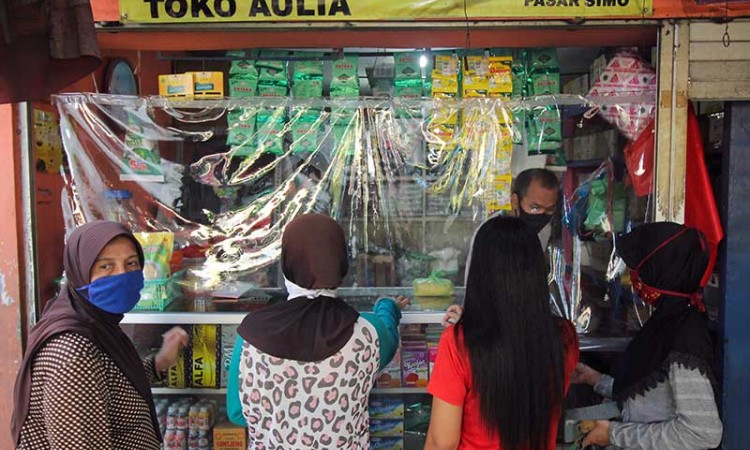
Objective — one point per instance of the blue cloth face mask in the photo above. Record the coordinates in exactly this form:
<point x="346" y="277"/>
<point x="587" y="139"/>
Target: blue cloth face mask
<point x="116" y="294"/>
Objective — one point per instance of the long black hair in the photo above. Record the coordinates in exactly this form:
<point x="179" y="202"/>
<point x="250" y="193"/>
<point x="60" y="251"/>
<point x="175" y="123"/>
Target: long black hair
<point x="514" y="344"/>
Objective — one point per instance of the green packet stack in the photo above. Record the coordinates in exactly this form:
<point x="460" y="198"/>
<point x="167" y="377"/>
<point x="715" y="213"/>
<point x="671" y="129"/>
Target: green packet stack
<point x="306" y="132"/>
<point x="241" y="131"/>
<point x="270" y="136"/>
<point x="307" y="81"/>
<point x="544" y="129"/>
<point x="243" y="77"/>
<point x="344" y="84"/>
<point x="408" y="82"/>
<point x="273" y="77"/>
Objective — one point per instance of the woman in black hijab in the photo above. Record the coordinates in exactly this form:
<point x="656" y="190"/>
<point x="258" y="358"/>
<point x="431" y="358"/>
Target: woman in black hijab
<point x="665" y="389"/>
<point x="82" y="383"/>
<point x="302" y="370"/>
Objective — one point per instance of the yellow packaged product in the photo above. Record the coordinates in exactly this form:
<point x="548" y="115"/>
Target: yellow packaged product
<point x="208" y="84"/>
<point x="501" y="76"/>
<point x="204" y="369"/>
<point x="444" y="85"/>
<point x="176" y="372"/>
<point x="178" y="86"/>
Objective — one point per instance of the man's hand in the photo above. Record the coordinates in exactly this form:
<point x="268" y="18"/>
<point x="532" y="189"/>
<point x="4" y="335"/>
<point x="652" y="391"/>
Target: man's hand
<point x="174" y="340"/>
<point x="402" y="302"/>
<point x="452" y="315"/>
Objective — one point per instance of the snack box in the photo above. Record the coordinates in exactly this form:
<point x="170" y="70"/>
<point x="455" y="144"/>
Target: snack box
<point x="386" y="428"/>
<point x="386" y="443"/>
<point x="390" y="376"/>
<point x="177" y="86"/>
<point x="204" y="368"/>
<point x="386" y="408"/>
<point x="228" y="436"/>
<point x="208" y="84"/>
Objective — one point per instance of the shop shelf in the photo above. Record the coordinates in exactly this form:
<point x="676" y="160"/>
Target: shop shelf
<point x="399" y="391"/>
<point x="188" y="391"/>
<point x="234" y="318"/>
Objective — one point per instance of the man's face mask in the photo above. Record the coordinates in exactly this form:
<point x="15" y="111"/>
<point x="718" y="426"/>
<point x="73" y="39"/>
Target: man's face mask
<point x="535" y="221"/>
<point x="116" y="294"/>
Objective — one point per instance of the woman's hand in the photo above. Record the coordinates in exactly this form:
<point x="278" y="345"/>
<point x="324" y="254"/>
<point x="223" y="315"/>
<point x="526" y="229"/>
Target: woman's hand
<point x="452" y="315"/>
<point x="402" y="301"/>
<point x="174" y="340"/>
<point x="599" y="435"/>
<point x="584" y="374"/>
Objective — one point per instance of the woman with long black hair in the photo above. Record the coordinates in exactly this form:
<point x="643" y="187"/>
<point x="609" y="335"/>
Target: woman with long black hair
<point x="503" y="370"/>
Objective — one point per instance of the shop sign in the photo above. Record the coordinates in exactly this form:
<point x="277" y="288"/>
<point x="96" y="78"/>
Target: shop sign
<point x="194" y="11"/>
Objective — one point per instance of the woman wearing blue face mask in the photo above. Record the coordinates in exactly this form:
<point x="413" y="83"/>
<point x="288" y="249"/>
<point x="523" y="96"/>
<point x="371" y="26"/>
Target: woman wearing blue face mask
<point x="82" y="384"/>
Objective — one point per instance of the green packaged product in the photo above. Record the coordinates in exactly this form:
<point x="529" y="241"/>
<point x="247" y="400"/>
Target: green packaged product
<point x="345" y="81"/>
<point x="243" y="68"/>
<point x="543" y="60"/>
<point x="242" y="86"/>
<point x="142" y="160"/>
<point x="545" y="83"/>
<point x="518" y="70"/>
<point x="411" y="90"/>
<point x="269" y="75"/>
<point x="406" y="65"/>
<point x="308" y="69"/>
<point x="305" y="134"/>
<point x="240" y="127"/>
<point x="308" y="88"/>
<point x="544" y="131"/>
<point x="272" y="59"/>
<point x="270" y="135"/>
<point x="271" y="90"/>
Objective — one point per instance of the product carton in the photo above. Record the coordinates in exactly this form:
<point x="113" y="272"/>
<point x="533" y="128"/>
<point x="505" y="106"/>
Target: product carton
<point x="230" y="437"/>
<point x="178" y="86"/>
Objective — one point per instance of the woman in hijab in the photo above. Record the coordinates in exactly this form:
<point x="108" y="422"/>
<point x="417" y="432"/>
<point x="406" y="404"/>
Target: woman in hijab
<point x="82" y="384"/>
<point x="665" y="389"/>
<point x="302" y="370"/>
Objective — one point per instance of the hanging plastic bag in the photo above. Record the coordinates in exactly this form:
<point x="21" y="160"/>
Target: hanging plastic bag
<point x="597" y="207"/>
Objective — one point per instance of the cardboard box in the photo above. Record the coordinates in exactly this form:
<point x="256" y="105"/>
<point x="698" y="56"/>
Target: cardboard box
<point x="577" y="86"/>
<point x="228" y="436"/>
<point x="177" y="86"/>
<point x="208" y="84"/>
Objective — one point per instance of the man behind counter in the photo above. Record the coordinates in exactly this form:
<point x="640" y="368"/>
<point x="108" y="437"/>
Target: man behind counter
<point x="534" y="198"/>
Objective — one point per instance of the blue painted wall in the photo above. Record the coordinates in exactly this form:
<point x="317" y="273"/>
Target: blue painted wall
<point x="735" y="280"/>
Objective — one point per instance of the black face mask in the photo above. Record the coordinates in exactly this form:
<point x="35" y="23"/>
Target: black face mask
<point x="535" y="221"/>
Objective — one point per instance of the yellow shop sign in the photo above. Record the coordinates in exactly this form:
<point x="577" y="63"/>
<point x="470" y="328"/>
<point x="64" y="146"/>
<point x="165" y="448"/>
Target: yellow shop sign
<point x="187" y="11"/>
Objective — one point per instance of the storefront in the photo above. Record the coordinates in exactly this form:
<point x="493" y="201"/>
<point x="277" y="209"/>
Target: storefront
<point x="408" y="133"/>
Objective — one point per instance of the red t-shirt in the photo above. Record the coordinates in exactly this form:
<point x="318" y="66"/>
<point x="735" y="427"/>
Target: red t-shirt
<point x="451" y="382"/>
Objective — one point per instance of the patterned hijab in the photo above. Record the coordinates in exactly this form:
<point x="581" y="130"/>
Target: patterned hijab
<point x="672" y="259"/>
<point x="314" y="258"/>
<point x="69" y="312"/>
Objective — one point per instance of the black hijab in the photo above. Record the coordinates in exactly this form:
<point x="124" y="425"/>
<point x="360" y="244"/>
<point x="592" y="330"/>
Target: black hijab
<point x="313" y="256"/>
<point x="677" y="331"/>
<point x="69" y="312"/>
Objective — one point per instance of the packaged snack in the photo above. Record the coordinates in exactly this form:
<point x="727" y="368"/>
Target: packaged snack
<point x="179" y="86"/>
<point x="305" y="131"/>
<point x="386" y="407"/>
<point x="272" y="59"/>
<point x="208" y="84"/>
<point x="157" y="252"/>
<point x="345" y="80"/>
<point x="309" y="88"/>
<point x="407" y="66"/>
<point x="178" y="372"/>
<point x="345" y="139"/>
<point x="242" y="87"/>
<point x="414" y="363"/>
<point x="268" y="75"/>
<point x="228" y="436"/>
<point x="386" y="428"/>
<point x="409" y="90"/>
<point x="446" y="64"/>
<point x="270" y="134"/>
<point x="204" y="369"/>
<point x="444" y="85"/>
<point x="271" y="90"/>
<point x="308" y="69"/>
<point x="141" y="161"/>
<point x="228" y="339"/>
<point x="241" y="127"/>
<point x="390" y="376"/>
<point x="545" y="83"/>
<point x="544" y="60"/>
<point x="387" y="443"/>
<point x="501" y="76"/>
<point x="244" y="69"/>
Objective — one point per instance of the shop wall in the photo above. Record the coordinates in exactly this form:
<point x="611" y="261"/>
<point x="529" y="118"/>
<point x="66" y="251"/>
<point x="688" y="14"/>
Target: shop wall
<point x="11" y="303"/>
<point x="719" y="61"/>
